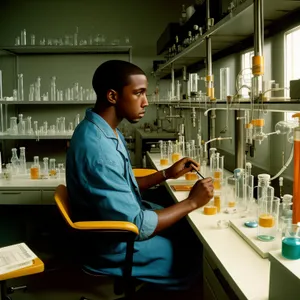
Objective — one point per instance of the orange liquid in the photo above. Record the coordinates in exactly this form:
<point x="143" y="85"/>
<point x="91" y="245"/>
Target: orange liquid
<point x="191" y="176"/>
<point x="217" y="203"/>
<point x="217" y="184"/>
<point x="52" y="173"/>
<point x="210" y="210"/>
<point x="217" y="174"/>
<point x="35" y="173"/>
<point x="266" y="220"/>
<point x="175" y="157"/>
<point x="231" y="204"/>
<point x="164" y="161"/>
<point x="296" y="187"/>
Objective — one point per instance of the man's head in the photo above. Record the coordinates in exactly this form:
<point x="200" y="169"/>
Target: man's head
<point x="121" y="85"/>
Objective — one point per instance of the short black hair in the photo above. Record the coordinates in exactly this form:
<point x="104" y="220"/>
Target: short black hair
<point x="113" y="74"/>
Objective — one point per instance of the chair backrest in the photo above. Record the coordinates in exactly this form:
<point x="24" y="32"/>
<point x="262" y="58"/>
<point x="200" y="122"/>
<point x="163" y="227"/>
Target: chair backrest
<point x="62" y="201"/>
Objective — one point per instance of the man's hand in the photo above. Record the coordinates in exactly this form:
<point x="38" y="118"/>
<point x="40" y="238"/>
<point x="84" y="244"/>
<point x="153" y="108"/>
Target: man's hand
<point x="201" y="192"/>
<point x="181" y="167"/>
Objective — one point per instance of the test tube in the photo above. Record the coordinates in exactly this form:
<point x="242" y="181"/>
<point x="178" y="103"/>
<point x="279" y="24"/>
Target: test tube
<point x="52" y="169"/>
<point x="20" y="88"/>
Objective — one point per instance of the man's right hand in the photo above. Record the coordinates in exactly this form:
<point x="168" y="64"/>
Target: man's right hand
<point x="201" y="192"/>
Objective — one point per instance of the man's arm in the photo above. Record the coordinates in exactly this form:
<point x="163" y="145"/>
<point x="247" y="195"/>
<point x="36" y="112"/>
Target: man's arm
<point x="175" y="171"/>
<point x="200" y="194"/>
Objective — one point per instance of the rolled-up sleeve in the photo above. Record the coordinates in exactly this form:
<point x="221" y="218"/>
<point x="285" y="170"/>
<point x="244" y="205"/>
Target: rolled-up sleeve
<point x="113" y="198"/>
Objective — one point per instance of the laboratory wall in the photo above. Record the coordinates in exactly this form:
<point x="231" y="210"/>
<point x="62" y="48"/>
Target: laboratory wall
<point x="141" y="21"/>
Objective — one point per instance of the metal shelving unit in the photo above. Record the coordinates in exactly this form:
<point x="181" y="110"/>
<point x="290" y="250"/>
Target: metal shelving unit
<point x="83" y="102"/>
<point x="231" y="30"/>
<point x="34" y="137"/>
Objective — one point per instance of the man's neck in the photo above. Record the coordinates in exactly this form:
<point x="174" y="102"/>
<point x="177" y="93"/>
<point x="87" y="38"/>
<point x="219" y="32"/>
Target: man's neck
<point x="108" y="114"/>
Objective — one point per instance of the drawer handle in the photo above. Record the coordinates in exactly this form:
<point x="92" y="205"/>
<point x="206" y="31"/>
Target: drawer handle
<point x="10" y="193"/>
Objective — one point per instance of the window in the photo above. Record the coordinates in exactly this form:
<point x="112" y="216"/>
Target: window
<point x="291" y="61"/>
<point x="292" y="57"/>
<point x="246" y="73"/>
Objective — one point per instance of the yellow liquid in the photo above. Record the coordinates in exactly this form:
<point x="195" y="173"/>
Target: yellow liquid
<point x="164" y="161"/>
<point x="217" y="184"/>
<point x="231" y="204"/>
<point x="217" y="203"/>
<point x="266" y="220"/>
<point x="191" y="176"/>
<point x="217" y="174"/>
<point x="175" y="157"/>
<point x="210" y="210"/>
<point x="34" y="173"/>
<point x="52" y="173"/>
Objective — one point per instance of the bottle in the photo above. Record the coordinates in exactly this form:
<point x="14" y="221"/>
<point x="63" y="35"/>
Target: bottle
<point x="195" y="32"/>
<point x="35" y="168"/>
<point x="38" y="89"/>
<point x="23" y="37"/>
<point x="177" y="44"/>
<point x="296" y="185"/>
<point x="45" y="173"/>
<point x="23" y="169"/>
<point x="15" y="161"/>
<point x="53" y="89"/>
<point x="287" y="211"/>
<point x="20" y="88"/>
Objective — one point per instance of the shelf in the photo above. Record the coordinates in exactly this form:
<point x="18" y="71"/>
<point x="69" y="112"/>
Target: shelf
<point x="84" y="102"/>
<point x="33" y="137"/>
<point x="28" y="50"/>
<point x="231" y="30"/>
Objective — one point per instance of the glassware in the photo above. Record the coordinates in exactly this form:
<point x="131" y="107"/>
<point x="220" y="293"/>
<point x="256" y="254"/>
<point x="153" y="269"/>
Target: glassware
<point x="42" y="41"/>
<point x="230" y="186"/>
<point x="61" y="170"/>
<point x="20" y="88"/>
<point x="21" y="125"/>
<point x="176" y="152"/>
<point x="194" y="78"/>
<point x="291" y="242"/>
<point x="57" y="125"/>
<point x="76" y="91"/>
<point x="7" y="172"/>
<point x="53" y="89"/>
<point x="35" y="168"/>
<point x="35" y="128"/>
<point x="70" y="127"/>
<point x="23" y="37"/>
<point x="77" y="120"/>
<point x="15" y="163"/>
<point x="23" y="169"/>
<point x="29" y="128"/>
<point x="52" y="169"/>
<point x="45" y="173"/>
<point x="164" y="155"/>
<point x="38" y="89"/>
<point x="76" y="37"/>
<point x="189" y="153"/>
<point x="15" y="95"/>
<point x="13" y="128"/>
<point x="62" y="128"/>
<point x="17" y="41"/>
<point x="264" y="189"/>
<point x="31" y="92"/>
<point x="45" y="128"/>
<point x="224" y="83"/>
<point x="268" y="211"/>
<point x="32" y="40"/>
<point x="218" y="201"/>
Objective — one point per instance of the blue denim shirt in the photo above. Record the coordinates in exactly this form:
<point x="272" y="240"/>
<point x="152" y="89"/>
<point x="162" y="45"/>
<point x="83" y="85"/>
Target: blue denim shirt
<point x="100" y="181"/>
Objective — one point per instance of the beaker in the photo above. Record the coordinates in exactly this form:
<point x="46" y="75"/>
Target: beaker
<point x="13" y="127"/>
<point x="164" y="155"/>
<point x="52" y="169"/>
<point x="291" y="241"/>
<point x="35" y="168"/>
<point x="268" y="211"/>
<point x="229" y="190"/>
<point x="218" y="201"/>
<point x="194" y="84"/>
<point x="176" y="155"/>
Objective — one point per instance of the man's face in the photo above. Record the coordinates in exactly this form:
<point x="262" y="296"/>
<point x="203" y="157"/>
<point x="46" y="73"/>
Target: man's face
<point x="132" y="102"/>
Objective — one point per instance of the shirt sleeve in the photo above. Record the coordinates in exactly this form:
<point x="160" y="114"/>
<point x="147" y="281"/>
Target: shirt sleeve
<point x="113" y="198"/>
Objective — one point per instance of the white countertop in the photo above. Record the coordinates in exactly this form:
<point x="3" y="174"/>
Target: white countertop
<point x="246" y="272"/>
<point x="23" y="182"/>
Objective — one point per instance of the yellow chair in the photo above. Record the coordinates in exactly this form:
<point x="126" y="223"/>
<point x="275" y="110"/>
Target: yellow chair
<point x="122" y="231"/>
<point x="36" y="267"/>
<point x="143" y="172"/>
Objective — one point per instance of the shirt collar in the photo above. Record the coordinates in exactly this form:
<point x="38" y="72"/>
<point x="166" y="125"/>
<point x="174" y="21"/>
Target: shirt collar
<point x="100" y="123"/>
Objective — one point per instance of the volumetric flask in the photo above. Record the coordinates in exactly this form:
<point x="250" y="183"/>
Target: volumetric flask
<point x="268" y="211"/>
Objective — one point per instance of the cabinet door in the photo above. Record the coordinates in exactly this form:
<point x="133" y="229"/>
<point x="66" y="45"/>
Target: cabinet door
<point x="208" y="293"/>
<point x="48" y="197"/>
<point x="20" y="197"/>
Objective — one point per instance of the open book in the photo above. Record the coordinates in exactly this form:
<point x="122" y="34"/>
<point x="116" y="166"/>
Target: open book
<point x="15" y="257"/>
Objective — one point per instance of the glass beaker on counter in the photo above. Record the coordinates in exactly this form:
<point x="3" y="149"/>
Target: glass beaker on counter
<point x="291" y="241"/>
<point x="268" y="211"/>
<point x="189" y="152"/>
<point x="230" y="184"/>
<point x="164" y="155"/>
<point x="52" y="169"/>
<point x="35" y="168"/>
<point x="176" y="155"/>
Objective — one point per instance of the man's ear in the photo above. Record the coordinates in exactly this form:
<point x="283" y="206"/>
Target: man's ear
<point x="112" y="96"/>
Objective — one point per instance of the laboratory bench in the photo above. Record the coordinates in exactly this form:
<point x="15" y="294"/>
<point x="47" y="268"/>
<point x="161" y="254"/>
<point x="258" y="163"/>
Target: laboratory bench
<point x="231" y="268"/>
<point x="21" y="190"/>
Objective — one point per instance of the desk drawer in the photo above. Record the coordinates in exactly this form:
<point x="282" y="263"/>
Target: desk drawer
<point x="48" y="197"/>
<point x="20" y="197"/>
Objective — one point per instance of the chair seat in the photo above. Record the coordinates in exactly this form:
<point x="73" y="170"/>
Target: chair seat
<point x="36" y="267"/>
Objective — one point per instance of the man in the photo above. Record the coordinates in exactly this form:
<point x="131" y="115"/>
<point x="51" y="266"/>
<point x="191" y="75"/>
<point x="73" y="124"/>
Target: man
<point x="102" y="186"/>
